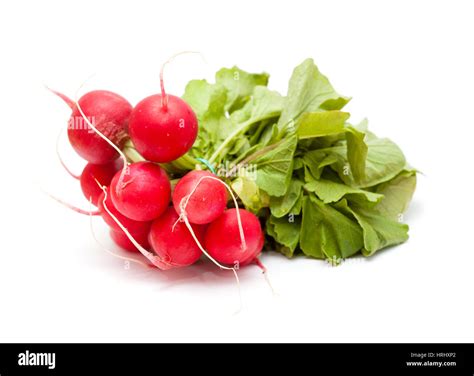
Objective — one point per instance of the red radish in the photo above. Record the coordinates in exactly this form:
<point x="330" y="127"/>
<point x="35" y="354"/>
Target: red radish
<point x="122" y="240"/>
<point x="109" y="113"/>
<point x="203" y="196"/>
<point x="92" y="175"/>
<point x="172" y="241"/>
<point x="163" y="127"/>
<point x="103" y="174"/>
<point x="163" y="132"/>
<point x="222" y="240"/>
<point x="143" y="193"/>
<point x="132" y="226"/>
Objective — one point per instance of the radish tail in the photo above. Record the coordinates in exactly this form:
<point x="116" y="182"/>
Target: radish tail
<point x="183" y="217"/>
<point x="154" y="259"/>
<point x="257" y="262"/>
<point x="65" y="98"/>
<point x="61" y="160"/>
<point x="164" y="96"/>
<point x="126" y="259"/>
<point x="260" y="265"/>
<point x="72" y="207"/>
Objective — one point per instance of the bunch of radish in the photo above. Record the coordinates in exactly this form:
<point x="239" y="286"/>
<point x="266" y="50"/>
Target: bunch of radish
<point x="170" y="227"/>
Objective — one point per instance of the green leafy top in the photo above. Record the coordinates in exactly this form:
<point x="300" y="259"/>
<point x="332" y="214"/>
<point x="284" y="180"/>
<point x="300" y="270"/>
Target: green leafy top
<point x="321" y="186"/>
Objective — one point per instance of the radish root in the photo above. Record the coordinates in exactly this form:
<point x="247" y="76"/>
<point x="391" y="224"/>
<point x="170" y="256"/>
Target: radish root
<point x="183" y="217"/>
<point x="61" y="160"/>
<point x="129" y="259"/>
<point x="154" y="259"/>
<point x="72" y="207"/>
<point x="185" y="200"/>
<point x="164" y="96"/>
<point x="265" y="275"/>
<point x="66" y="99"/>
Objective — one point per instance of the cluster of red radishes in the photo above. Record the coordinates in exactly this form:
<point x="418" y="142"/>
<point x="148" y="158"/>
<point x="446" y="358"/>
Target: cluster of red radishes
<point x="170" y="227"/>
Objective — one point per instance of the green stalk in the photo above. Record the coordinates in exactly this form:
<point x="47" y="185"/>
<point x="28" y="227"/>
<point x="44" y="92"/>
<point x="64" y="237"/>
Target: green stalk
<point x="133" y="155"/>
<point x="243" y="128"/>
<point x="186" y="162"/>
<point x="253" y="156"/>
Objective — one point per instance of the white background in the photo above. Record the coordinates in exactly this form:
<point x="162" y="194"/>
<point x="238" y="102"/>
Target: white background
<point x="408" y="66"/>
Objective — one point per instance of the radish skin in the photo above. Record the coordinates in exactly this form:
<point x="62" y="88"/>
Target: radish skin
<point x="163" y="127"/>
<point x="109" y="113"/>
<point x="131" y="225"/>
<point x="208" y="200"/>
<point x="122" y="240"/>
<point x="94" y="174"/>
<point x="144" y="192"/>
<point x="163" y="130"/>
<point x="222" y="239"/>
<point x="172" y="241"/>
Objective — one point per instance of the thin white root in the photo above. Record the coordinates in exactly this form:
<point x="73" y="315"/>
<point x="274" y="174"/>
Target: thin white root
<point x="154" y="259"/>
<point x="69" y="206"/>
<point x="60" y="158"/>
<point x="239" y="220"/>
<point x="128" y="259"/>
<point x="183" y="217"/>
<point x="142" y="250"/>
<point x="193" y="234"/>
<point x="265" y="275"/>
<point x="164" y="96"/>
<point x="105" y="138"/>
<point x="269" y="283"/>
